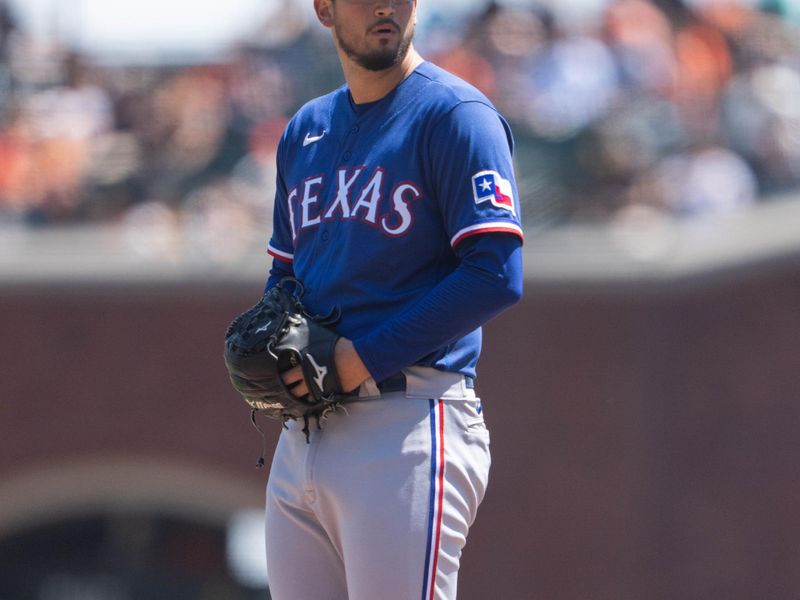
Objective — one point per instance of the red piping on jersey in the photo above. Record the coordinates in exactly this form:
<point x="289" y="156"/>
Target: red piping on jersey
<point x="281" y="257"/>
<point x="490" y="228"/>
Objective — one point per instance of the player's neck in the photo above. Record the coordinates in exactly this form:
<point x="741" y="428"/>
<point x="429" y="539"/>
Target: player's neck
<point x="369" y="86"/>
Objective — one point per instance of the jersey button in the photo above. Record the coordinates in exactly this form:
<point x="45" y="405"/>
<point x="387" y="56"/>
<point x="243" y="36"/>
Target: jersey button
<point x="354" y="129"/>
<point x="325" y="236"/>
<point x="346" y="155"/>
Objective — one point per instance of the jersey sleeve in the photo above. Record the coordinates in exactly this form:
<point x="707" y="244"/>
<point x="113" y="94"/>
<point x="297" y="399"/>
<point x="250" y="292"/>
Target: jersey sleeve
<point x="488" y="280"/>
<point x="473" y="174"/>
<point x="281" y="245"/>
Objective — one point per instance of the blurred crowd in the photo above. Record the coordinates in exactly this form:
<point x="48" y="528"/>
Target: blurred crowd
<point x="642" y="107"/>
<point x="619" y="107"/>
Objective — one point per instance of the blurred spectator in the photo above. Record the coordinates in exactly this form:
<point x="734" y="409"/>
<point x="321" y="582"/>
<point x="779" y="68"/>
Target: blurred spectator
<point x="16" y="162"/>
<point x="640" y="37"/>
<point x="711" y="181"/>
<point x="65" y="121"/>
<point x="763" y="123"/>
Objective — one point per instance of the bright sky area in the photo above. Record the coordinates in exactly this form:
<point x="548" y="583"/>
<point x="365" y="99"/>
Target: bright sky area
<point x="114" y="26"/>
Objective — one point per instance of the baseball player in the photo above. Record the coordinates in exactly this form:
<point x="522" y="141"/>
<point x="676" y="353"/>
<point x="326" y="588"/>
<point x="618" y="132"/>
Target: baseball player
<point x="396" y="207"/>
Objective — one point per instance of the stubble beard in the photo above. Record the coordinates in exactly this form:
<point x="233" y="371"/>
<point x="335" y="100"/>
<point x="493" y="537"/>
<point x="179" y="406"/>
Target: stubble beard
<point x="376" y="60"/>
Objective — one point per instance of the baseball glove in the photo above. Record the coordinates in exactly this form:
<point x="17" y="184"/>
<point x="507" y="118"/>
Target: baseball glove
<point x="273" y="336"/>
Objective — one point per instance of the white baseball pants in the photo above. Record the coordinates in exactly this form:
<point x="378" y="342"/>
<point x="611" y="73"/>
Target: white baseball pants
<point x="377" y="504"/>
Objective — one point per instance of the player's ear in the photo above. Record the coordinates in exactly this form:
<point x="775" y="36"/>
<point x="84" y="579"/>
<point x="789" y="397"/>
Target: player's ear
<point x="324" y="11"/>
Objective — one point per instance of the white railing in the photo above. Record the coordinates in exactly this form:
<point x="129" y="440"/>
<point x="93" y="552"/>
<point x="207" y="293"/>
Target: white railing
<point x="646" y="248"/>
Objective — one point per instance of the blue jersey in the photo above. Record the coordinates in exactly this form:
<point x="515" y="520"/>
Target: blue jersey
<point x="373" y="200"/>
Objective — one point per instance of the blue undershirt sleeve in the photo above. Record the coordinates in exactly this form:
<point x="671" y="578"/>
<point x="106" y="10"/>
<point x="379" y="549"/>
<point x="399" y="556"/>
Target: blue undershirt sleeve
<point x="487" y="280"/>
<point x="279" y="270"/>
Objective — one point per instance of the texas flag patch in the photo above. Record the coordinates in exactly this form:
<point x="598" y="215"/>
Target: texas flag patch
<point x="489" y="186"/>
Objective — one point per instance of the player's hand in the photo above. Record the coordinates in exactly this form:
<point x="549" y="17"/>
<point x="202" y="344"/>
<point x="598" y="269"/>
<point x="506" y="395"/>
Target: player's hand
<point x="352" y="372"/>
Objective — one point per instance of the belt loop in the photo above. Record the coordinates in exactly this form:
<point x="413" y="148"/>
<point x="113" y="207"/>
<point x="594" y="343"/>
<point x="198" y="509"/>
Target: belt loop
<point x="369" y="389"/>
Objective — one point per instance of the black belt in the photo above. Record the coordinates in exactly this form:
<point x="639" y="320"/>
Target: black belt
<point x="397" y="383"/>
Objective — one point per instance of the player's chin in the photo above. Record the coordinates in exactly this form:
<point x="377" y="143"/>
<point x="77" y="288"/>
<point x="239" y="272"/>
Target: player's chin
<point x="379" y="61"/>
<point x="385" y="57"/>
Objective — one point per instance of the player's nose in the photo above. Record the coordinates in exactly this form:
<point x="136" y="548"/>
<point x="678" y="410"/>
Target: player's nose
<point x="385" y="7"/>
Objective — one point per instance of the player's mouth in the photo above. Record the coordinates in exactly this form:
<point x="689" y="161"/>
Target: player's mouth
<point x="385" y="28"/>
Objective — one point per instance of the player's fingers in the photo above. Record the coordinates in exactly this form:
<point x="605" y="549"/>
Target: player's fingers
<point x="300" y="390"/>
<point x="293" y="378"/>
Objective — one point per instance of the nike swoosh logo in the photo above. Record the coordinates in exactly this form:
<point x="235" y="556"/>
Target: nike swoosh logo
<point x="309" y="139"/>
<point x="319" y="378"/>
